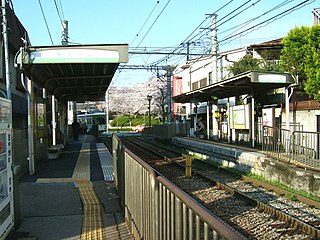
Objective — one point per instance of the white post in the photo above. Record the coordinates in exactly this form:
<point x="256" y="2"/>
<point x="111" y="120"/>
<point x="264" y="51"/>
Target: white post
<point x="252" y="122"/>
<point x="30" y="128"/>
<point x="53" y="104"/>
<point x="228" y="121"/>
<point x="107" y="109"/>
<point x="208" y="120"/>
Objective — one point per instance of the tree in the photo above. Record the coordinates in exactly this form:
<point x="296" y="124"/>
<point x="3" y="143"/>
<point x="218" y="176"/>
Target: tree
<point x="300" y="56"/>
<point x="247" y="63"/>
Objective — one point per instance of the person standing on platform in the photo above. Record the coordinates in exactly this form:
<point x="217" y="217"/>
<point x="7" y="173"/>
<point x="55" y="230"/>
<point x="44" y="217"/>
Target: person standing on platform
<point x="75" y="129"/>
<point x="200" y="128"/>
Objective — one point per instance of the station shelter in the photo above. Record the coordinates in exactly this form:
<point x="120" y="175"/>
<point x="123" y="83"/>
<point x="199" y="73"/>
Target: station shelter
<point x="51" y="76"/>
<point x="229" y="119"/>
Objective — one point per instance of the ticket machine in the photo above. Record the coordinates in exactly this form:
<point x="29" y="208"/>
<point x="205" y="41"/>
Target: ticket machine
<point x="6" y="178"/>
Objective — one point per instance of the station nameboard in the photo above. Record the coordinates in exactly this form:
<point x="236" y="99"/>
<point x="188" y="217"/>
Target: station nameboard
<point x="271" y="77"/>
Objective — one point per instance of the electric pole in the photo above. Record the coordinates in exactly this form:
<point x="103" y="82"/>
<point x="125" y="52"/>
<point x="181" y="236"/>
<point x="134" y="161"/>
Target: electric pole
<point x="214" y="48"/>
<point x="169" y="92"/>
<point x="64" y="34"/>
<point x="6" y="48"/>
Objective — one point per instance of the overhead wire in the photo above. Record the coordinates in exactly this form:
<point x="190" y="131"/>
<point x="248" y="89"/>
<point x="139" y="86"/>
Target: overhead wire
<point x="240" y="26"/>
<point x="181" y="47"/>
<point x="154" y="22"/>
<point x="145" y="22"/>
<point x="268" y="21"/>
<point x="58" y="11"/>
<point x="45" y="20"/>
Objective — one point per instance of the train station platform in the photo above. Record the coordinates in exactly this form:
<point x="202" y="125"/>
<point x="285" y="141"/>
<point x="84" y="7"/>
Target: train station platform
<point x="71" y="197"/>
<point x="252" y="160"/>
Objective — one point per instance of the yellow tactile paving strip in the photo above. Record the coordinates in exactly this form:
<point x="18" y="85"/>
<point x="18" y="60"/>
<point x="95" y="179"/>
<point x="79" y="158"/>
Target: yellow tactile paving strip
<point x="92" y="223"/>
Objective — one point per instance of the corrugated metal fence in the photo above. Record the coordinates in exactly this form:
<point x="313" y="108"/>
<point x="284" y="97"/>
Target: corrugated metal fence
<point x="157" y="209"/>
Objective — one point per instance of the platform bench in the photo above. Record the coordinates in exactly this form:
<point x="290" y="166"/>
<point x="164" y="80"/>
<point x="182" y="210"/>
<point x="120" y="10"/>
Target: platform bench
<point x="54" y="151"/>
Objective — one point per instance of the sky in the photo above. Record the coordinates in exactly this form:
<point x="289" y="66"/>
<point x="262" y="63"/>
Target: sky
<point x="162" y="26"/>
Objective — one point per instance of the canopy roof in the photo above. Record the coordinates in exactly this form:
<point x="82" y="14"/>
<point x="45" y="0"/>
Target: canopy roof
<point x="73" y="72"/>
<point x="246" y="83"/>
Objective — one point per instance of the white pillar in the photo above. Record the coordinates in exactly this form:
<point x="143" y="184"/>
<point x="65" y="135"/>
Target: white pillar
<point x="228" y="121"/>
<point x="30" y="101"/>
<point x="208" y="120"/>
<point x="253" y="138"/>
<point x="53" y="104"/>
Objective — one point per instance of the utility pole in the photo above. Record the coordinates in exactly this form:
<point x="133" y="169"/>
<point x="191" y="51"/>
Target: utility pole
<point x="6" y="47"/>
<point x="214" y="47"/>
<point x="64" y="34"/>
<point x="169" y="92"/>
<point x="214" y="52"/>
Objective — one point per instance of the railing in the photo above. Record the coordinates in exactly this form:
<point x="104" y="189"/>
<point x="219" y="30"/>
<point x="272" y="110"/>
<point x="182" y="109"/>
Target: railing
<point x="157" y="209"/>
<point x="297" y="147"/>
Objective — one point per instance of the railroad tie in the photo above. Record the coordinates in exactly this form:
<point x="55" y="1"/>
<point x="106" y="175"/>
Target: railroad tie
<point x="92" y="223"/>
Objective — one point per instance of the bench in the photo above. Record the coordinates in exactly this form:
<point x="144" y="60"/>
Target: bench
<point x="54" y="151"/>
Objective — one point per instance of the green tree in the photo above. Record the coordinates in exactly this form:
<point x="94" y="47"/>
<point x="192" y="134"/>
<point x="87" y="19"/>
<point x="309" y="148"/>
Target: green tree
<point x="300" y="56"/>
<point x="247" y="63"/>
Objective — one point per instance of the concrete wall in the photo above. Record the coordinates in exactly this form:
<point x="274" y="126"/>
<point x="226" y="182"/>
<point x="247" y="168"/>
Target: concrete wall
<point x="254" y="162"/>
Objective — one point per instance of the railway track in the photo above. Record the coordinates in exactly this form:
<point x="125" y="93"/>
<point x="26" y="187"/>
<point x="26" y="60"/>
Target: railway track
<point x="254" y="211"/>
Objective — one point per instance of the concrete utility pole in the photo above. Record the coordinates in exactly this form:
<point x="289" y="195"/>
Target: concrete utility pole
<point x="64" y="34"/>
<point x="214" y="52"/>
<point x="169" y="92"/>
<point x="6" y="47"/>
<point x="214" y="48"/>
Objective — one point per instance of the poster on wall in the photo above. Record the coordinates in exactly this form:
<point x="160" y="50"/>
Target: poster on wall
<point x="239" y="118"/>
<point x="268" y="117"/>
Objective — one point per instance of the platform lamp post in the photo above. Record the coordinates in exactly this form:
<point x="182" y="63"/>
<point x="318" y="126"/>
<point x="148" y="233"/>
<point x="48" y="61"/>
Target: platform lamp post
<point x="149" y="97"/>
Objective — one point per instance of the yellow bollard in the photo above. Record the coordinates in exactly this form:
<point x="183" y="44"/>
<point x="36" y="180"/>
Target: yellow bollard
<point x="188" y="165"/>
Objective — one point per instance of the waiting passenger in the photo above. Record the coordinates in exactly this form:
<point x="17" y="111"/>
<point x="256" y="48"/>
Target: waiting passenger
<point x="76" y="129"/>
<point x="200" y="128"/>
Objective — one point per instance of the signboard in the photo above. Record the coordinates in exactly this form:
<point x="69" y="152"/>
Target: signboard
<point x="239" y="118"/>
<point x="265" y="77"/>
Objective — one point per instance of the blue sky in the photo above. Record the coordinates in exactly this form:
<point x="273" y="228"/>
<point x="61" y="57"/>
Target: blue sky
<point x="169" y="24"/>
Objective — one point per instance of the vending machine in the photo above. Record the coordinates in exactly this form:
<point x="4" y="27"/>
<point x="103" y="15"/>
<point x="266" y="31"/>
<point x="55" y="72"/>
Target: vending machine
<point x="6" y="178"/>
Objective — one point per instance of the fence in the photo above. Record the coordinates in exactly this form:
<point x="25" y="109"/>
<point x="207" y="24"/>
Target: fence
<point x="296" y="147"/>
<point x="157" y="209"/>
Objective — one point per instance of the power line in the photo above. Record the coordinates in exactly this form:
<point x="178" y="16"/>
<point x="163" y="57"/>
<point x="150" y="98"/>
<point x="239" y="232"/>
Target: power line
<point x="153" y="23"/>
<point x="145" y="22"/>
<point x="181" y="46"/>
<point x="268" y="21"/>
<point x="60" y="17"/>
<point x="240" y="26"/>
<point x="45" y="20"/>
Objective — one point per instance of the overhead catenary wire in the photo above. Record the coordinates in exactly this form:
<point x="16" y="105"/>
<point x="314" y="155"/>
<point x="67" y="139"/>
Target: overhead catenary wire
<point x="58" y="11"/>
<point x="154" y="22"/>
<point x="240" y="26"/>
<point x="272" y="19"/>
<point x="45" y="20"/>
<point x="145" y="22"/>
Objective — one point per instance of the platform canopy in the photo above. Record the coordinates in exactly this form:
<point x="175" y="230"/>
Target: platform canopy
<point x="73" y="72"/>
<point x="246" y="83"/>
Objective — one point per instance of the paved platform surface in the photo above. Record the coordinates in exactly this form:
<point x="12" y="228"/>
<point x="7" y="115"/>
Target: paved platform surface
<point x="50" y="204"/>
